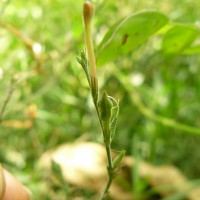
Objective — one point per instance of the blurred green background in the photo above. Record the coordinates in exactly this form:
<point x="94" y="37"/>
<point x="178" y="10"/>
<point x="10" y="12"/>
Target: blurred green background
<point x="50" y="102"/>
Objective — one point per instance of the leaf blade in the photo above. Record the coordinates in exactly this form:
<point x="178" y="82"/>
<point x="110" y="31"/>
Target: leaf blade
<point x="129" y="34"/>
<point x="179" y="38"/>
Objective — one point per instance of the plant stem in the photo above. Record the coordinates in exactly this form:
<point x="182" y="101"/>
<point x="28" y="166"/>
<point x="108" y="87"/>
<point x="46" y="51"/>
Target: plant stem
<point x="88" y="12"/>
<point x="98" y="114"/>
<point x="110" y="173"/>
<point x="108" y="147"/>
<point x="108" y="152"/>
<point x="109" y="159"/>
<point x="106" y="190"/>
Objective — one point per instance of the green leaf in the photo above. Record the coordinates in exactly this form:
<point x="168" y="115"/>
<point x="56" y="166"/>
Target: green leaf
<point x="82" y="59"/>
<point x="118" y="159"/>
<point x="113" y="126"/>
<point x="192" y="50"/>
<point x="178" y="38"/>
<point x="113" y="122"/>
<point x="129" y="34"/>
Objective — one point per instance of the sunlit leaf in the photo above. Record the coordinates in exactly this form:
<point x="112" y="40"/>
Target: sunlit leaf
<point x="179" y="38"/>
<point x="192" y="50"/>
<point x="129" y="34"/>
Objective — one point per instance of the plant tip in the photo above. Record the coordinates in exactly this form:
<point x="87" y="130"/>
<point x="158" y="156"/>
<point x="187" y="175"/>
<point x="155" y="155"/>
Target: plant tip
<point x="88" y="12"/>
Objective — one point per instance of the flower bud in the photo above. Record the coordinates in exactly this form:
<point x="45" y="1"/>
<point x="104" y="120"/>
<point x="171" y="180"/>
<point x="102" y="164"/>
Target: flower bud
<point x="88" y="12"/>
<point x="105" y="107"/>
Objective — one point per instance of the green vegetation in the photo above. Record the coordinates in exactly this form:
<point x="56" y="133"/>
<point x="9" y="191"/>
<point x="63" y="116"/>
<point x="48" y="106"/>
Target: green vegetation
<point x="149" y="61"/>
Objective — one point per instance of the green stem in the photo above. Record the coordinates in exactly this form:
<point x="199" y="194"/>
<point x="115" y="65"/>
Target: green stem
<point x="106" y="190"/>
<point x="88" y="11"/>
<point x="98" y="114"/>
<point x="110" y="173"/>
<point x="108" y="147"/>
<point x="109" y="159"/>
<point x="108" y="152"/>
<point x="90" y="50"/>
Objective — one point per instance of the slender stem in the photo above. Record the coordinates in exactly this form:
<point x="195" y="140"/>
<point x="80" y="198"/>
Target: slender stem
<point x="108" y="147"/>
<point x="108" y="152"/>
<point x="110" y="173"/>
<point x="88" y="12"/>
<point x="90" y="49"/>
<point x="106" y="190"/>
<point x="98" y="114"/>
<point x="109" y="159"/>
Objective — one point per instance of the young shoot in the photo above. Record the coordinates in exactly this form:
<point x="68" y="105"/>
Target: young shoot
<point x="107" y="107"/>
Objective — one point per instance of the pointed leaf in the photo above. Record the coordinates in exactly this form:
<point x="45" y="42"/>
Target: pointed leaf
<point x="113" y="122"/>
<point x="129" y="34"/>
<point x="118" y="159"/>
<point x="113" y="127"/>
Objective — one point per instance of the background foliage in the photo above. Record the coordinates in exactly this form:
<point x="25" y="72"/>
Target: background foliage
<point x="50" y="104"/>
